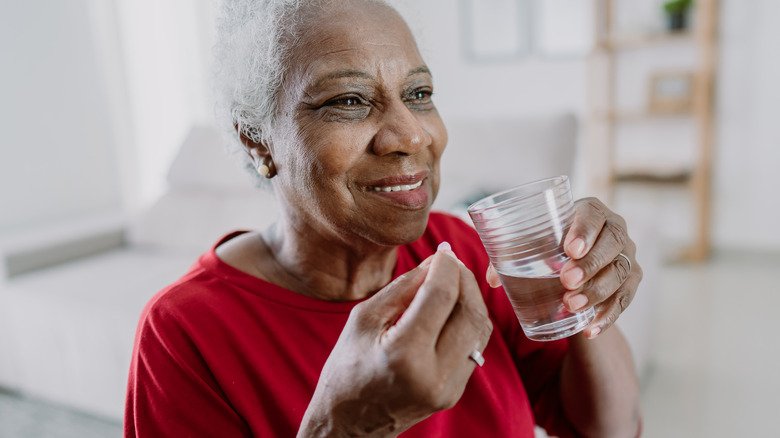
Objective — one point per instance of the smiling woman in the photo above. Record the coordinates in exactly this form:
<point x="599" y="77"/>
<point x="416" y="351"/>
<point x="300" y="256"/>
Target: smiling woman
<point x="351" y="315"/>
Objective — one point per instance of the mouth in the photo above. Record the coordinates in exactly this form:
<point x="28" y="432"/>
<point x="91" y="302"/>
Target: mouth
<point x="408" y="192"/>
<point x="398" y="188"/>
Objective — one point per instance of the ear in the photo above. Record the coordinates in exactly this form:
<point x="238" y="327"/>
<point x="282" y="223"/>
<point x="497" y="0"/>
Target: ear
<point x="255" y="150"/>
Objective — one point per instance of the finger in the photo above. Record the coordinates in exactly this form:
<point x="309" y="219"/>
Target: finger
<point x="611" y="241"/>
<point x="491" y="275"/>
<point x="468" y="327"/>
<point x="434" y="301"/>
<point x="589" y="217"/>
<point x="609" y="311"/>
<point x="599" y="288"/>
<point x="391" y="300"/>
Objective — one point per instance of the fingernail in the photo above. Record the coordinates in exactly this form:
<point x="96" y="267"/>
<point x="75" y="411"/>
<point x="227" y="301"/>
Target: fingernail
<point x="577" y="302"/>
<point x="444" y="246"/>
<point x="594" y="332"/>
<point x="578" y="247"/>
<point x="573" y="277"/>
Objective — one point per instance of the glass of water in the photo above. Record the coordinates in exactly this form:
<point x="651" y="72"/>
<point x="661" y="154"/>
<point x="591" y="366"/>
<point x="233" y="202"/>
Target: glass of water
<point x="523" y="230"/>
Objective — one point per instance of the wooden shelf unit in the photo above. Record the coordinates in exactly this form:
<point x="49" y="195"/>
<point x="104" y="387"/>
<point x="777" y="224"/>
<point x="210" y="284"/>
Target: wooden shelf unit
<point x="698" y="180"/>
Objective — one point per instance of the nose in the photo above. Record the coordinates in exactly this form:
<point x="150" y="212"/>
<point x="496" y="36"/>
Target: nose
<point x="400" y="133"/>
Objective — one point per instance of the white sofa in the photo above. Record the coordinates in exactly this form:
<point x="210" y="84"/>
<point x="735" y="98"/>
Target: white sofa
<point x="66" y="331"/>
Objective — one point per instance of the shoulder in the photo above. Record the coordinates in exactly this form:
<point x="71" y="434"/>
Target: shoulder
<point x="177" y="302"/>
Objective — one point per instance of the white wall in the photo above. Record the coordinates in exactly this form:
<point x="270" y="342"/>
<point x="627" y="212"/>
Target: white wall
<point x="57" y="159"/>
<point x="747" y="202"/>
<point x="466" y="88"/>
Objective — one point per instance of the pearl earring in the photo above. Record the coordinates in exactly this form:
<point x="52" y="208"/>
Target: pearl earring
<point x="264" y="170"/>
<point x="264" y="166"/>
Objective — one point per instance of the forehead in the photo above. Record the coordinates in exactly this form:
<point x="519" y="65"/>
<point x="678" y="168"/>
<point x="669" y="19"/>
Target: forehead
<point x="354" y="35"/>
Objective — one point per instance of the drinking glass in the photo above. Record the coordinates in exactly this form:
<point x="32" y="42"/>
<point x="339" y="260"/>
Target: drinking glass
<point x="523" y="230"/>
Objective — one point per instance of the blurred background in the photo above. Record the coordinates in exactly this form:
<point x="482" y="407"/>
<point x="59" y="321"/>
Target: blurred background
<point x="113" y="178"/>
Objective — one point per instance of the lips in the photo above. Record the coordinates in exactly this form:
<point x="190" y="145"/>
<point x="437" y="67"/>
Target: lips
<point x="405" y="191"/>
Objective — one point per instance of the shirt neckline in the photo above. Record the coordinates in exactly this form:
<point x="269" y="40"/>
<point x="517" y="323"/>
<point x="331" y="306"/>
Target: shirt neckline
<point x="211" y="263"/>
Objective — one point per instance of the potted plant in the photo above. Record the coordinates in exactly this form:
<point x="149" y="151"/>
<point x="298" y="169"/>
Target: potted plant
<point x="677" y="14"/>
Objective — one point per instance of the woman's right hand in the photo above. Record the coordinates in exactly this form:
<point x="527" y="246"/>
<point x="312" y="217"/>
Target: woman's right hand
<point x="403" y="354"/>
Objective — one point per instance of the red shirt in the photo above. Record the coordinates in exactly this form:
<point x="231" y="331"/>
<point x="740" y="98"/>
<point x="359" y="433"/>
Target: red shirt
<point x="221" y="353"/>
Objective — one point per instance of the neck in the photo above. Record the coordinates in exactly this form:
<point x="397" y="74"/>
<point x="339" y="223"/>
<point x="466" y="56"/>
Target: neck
<point x="324" y="267"/>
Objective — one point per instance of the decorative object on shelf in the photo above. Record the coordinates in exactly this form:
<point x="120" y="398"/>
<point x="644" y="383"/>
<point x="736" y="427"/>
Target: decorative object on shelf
<point x="677" y="14"/>
<point x="495" y="30"/>
<point x="671" y="92"/>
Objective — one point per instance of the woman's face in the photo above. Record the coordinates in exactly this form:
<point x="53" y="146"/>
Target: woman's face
<point x="359" y="139"/>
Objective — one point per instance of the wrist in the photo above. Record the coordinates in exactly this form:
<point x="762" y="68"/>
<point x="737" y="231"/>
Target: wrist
<point x="348" y="419"/>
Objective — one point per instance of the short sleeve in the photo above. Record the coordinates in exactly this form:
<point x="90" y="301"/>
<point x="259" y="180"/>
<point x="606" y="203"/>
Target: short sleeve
<point x="171" y="391"/>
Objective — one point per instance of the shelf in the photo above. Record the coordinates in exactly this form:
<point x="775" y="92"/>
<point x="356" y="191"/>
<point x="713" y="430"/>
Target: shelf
<point x="639" y="115"/>
<point x="651" y="177"/>
<point x="626" y="42"/>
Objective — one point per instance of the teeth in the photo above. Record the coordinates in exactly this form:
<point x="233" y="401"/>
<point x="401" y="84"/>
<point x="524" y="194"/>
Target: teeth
<point x="398" y="188"/>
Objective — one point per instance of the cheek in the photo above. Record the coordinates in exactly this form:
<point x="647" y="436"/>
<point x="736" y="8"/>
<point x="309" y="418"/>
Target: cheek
<point x="330" y="152"/>
<point x="438" y="133"/>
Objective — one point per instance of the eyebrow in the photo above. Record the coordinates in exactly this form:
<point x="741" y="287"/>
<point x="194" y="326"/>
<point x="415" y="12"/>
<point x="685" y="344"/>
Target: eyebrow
<point x="363" y="75"/>
<point x="418" y="70"/>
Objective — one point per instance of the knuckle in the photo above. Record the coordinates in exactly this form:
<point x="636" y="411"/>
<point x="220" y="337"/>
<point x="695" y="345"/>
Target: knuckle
<point x="434" y="395"/>
<point x="618" y="232"/>
<point x="621" y="269"/>
<point x="596" y="205"/>
<point x="360" y="315"/>
<point x="623" y="302"/>
<point x="440" y="401"/>
<point x="485" y="330"/>
<point x="611" y="317"/>
<point x="640" y="273"/>
<point x="479" y="320"/>
<point x="592" y="264"/>
<point x="595" y="291"/>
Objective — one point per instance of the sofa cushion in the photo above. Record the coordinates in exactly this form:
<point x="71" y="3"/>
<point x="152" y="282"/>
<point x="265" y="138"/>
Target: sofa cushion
<point x="209" y="195"/>
<point x="206" y="162"/>
<point x="72" y="326"/>
<point x="190" y="221"/>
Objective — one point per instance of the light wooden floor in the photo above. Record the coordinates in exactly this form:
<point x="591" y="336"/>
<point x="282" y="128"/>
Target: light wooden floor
<point x="716" y="362"/>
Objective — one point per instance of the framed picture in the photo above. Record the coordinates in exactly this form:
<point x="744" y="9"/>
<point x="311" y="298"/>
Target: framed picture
<point x="671" y="92"/>
<point x="495" y="30"/>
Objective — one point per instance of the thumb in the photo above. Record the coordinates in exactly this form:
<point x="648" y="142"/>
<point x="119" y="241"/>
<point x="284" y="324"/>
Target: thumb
<point x="393" y="299"/>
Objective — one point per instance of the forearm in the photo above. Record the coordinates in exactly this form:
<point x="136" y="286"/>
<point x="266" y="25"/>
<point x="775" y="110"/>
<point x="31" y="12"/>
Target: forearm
<point x="599" y="386"/>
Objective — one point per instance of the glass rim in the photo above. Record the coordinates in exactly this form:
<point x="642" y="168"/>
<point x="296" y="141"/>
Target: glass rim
<point x="474" y="207"/>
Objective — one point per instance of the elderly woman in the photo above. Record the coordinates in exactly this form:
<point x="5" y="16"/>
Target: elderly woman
<point x="352" y="315"/>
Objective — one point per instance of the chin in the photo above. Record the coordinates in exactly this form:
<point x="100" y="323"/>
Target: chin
<point x="399" y="230"/>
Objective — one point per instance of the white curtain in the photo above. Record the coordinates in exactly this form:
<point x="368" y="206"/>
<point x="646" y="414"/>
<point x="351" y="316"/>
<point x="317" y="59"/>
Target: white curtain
<point x="157" y="56"/>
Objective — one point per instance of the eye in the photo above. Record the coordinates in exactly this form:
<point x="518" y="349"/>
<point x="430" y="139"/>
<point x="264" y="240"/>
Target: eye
<point x="421" y="95"/>
<point x="346" y="102"/>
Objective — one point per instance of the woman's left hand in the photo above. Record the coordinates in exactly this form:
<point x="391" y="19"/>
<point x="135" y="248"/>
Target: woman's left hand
<point x="597" y="275"/>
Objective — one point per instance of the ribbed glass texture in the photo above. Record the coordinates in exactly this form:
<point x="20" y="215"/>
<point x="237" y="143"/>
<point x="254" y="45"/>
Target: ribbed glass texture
<point x="523" y="230"/>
